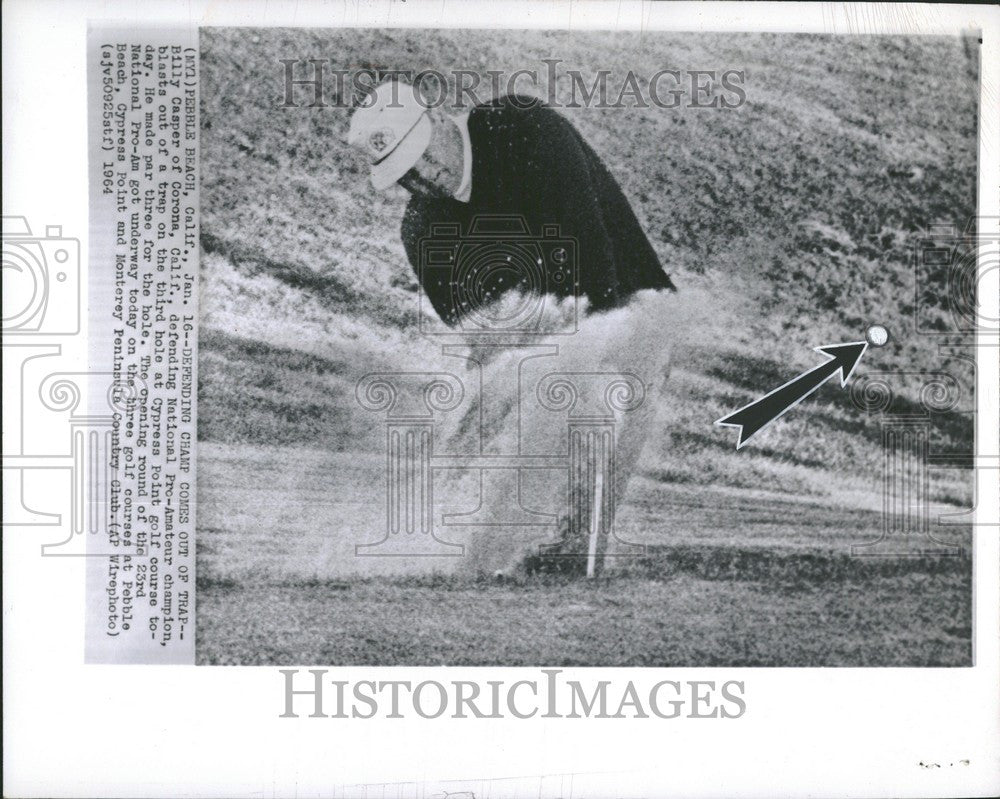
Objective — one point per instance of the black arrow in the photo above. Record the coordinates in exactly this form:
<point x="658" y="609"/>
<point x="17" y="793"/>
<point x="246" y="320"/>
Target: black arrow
<point x="753" y="418"/>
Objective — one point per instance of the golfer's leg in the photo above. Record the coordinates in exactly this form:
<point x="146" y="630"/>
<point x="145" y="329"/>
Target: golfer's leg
<point x="645" y="352"/>
<point x="633" y="343"/>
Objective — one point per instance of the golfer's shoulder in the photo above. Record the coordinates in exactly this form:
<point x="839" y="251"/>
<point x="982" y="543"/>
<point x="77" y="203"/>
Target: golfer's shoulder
<point x="521" y="112"/>
<point x="422" y="214"/>
<point x="417" y="211"/>
<point x="415" y="222"/>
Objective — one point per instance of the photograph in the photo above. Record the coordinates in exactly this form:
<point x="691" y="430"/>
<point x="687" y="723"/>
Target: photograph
<point x="586" y="348"/>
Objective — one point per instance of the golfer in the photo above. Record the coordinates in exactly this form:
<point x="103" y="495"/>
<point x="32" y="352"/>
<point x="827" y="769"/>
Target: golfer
<point x="515" y="157"/>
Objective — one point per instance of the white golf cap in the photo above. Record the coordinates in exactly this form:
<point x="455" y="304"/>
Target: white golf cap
<point x="393" y="128"/>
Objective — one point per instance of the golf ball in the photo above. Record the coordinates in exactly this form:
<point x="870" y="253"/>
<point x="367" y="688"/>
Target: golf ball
<point x="877" y="335"/>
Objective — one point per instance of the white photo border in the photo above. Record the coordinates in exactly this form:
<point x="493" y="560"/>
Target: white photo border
<point x="76" y="730"/>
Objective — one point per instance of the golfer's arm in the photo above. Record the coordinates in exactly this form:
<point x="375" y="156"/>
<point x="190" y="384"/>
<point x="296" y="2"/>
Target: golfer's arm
<point x="572" y="199"/>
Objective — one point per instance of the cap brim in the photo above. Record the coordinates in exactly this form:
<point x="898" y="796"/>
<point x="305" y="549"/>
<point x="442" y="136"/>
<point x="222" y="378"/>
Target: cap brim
<point x="404" y="156"/>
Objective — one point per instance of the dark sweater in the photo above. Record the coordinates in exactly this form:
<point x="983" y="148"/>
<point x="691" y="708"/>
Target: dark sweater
<point x="531" y="162"/>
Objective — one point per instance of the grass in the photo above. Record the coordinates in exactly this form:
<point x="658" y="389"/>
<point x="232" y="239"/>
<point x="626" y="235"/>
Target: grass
<point x="910" y="618"/>
<point x="728" y="577"/>
<point x="787" y="223"/>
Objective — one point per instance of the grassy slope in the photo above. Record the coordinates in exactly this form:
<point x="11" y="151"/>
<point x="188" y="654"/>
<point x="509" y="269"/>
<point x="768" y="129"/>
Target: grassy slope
<point x="787" y="223"/>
